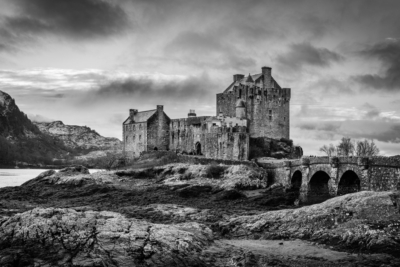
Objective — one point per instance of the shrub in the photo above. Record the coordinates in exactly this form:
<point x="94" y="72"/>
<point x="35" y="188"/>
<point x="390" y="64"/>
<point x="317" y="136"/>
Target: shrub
<point x="289" y="142"/>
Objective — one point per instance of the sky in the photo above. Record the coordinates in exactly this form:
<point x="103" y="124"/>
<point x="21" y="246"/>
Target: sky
<point x="87" y="62"/>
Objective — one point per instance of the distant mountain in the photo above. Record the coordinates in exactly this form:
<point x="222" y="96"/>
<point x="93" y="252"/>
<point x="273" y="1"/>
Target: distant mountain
<point x="21" y="140"/>
<point x="14" y="124"/>
<point x="78" y="136"/>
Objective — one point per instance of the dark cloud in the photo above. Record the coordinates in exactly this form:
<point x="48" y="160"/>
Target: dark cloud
<point x="188" y="91"/>
<point x="207" y="49"/>
<point x="388" y="52"/>
<point x="315" y="25"/>
<point x="305" y="54"/>
<point x="195" y="43"/>
<point x="72" y="19"/>
<point x="384" y="131"/>
<point x="331" y="86"/>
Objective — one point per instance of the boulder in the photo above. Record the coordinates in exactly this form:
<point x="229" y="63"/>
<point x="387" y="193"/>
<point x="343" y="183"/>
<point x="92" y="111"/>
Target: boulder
<point x="365" y="220"/>
<point x="76" y="176"/>
<point x="65" y="237"/>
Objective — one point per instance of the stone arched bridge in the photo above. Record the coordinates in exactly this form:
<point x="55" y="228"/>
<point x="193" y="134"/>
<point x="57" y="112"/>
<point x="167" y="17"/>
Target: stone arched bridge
<point x="319" y="178"/>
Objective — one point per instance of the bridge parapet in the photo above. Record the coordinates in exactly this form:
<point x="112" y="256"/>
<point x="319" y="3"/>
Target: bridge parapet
<point x="385" y="161"/>
<point x="334" y="161"/>
<point x="363" y="163"/>
<point x="305" y="162"/>
<point x="319" y="160"/>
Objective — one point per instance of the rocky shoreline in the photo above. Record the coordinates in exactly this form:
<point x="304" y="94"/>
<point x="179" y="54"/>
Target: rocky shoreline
<point x="190" y="215"/>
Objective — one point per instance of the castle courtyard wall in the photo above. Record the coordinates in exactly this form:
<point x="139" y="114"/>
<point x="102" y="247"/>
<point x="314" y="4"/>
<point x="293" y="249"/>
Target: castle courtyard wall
<point x="135" y="139"/>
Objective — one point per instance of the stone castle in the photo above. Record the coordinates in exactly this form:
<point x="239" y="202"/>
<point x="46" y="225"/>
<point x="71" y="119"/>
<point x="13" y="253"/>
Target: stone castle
<point x="251" y="112"/>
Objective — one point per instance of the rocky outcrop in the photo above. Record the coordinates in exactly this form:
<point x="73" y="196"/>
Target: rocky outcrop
<point x="75" y="136"/>
<point x="14" y="124"/>
<point x="365" y="220"/>
<point x="76" y="176"/>
<point x="225" y="177"/>
<point x="176" y="215"/>
<point x="65" y="237"/>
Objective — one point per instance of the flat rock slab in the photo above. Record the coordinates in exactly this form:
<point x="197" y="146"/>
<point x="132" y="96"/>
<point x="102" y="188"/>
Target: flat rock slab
<point x="288" y="248"/>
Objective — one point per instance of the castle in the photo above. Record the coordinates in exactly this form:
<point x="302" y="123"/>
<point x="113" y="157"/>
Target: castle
<point x="251" y="111"/>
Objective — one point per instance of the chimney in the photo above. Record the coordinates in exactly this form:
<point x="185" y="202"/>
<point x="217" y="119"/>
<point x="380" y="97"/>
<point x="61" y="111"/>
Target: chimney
<point x="132" y="113"/>
<point x="237" y="77"/>
<point x="192" y="113"/>
<point x="160" y="108"/>
<point x="267" y="72"/>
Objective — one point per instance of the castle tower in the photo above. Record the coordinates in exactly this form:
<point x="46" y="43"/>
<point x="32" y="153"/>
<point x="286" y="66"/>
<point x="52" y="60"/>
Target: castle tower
<point x="191" y="113"/>
<point x="266" y="104"/>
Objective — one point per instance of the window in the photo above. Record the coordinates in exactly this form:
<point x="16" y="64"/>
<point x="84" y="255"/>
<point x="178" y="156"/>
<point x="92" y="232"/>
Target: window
<point x="284" y="118"/>
<point x="140" y="137"/>
<point x="270" y="118"/>
<point x="126" y="139"/>
<point x="240" y="93"/>
<point x="270" y="112"/>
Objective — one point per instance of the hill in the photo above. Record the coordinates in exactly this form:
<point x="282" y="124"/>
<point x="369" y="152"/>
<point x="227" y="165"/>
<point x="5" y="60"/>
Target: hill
<point x="22" y="140"/>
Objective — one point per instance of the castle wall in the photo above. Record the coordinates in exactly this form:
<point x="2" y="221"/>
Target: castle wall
<point x="222" y="142"/>
<point x="158" y="131"/>
<point x="186" y="132"/>
<point x="135" y="139"/>
<point x="226" y="104"/>
<point x="231" y="143"/>
<point x="267" y="109"/>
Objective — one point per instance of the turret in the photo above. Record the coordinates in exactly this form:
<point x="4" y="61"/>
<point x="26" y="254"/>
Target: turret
<point x="240" y="109"/>
<point x="192" y="113"/>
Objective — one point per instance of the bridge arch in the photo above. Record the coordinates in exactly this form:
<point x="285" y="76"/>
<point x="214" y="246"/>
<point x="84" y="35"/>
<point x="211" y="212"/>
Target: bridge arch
<point x="348" y="183"/>
<point x="318" y="187"/>
<point x="296" y="181"/>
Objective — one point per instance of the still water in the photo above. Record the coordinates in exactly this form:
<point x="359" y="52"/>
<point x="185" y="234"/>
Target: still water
<point x="16" y="177"/>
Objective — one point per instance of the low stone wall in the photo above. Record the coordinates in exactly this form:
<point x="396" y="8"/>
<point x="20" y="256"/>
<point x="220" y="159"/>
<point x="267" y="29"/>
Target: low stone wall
<point x="190" y="159"/>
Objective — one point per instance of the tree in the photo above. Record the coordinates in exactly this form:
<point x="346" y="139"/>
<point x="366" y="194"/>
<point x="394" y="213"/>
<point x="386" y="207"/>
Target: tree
<point x="366" y="148"/>
<point x="329" y="150"/>
<point x="346" y="147"/>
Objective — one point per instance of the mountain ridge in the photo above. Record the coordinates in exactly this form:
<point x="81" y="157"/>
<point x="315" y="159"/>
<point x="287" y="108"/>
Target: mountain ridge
<point x="22" y="140"/>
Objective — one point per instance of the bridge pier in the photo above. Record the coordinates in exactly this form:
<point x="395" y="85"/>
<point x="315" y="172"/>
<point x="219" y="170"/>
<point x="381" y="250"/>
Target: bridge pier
<point x="305" y="165"/>
<point x="333" y="181"/>
<point x="365" y="183"/>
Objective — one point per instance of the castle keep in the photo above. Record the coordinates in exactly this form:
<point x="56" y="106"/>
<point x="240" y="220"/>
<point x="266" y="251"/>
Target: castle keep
<point x="251" y="111"/>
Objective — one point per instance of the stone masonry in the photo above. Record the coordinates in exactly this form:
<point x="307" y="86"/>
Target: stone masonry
<point x="319" y="178"/>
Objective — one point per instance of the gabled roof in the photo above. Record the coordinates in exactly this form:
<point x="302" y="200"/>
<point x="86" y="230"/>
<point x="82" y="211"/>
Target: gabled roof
<point x="230" y="87"/>
<point x="142" y="116"/>
<point x="275" y="84"/>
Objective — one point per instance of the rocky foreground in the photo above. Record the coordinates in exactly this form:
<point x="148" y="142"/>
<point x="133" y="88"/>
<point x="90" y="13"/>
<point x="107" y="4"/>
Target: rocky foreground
<point x="190" y="215"/>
